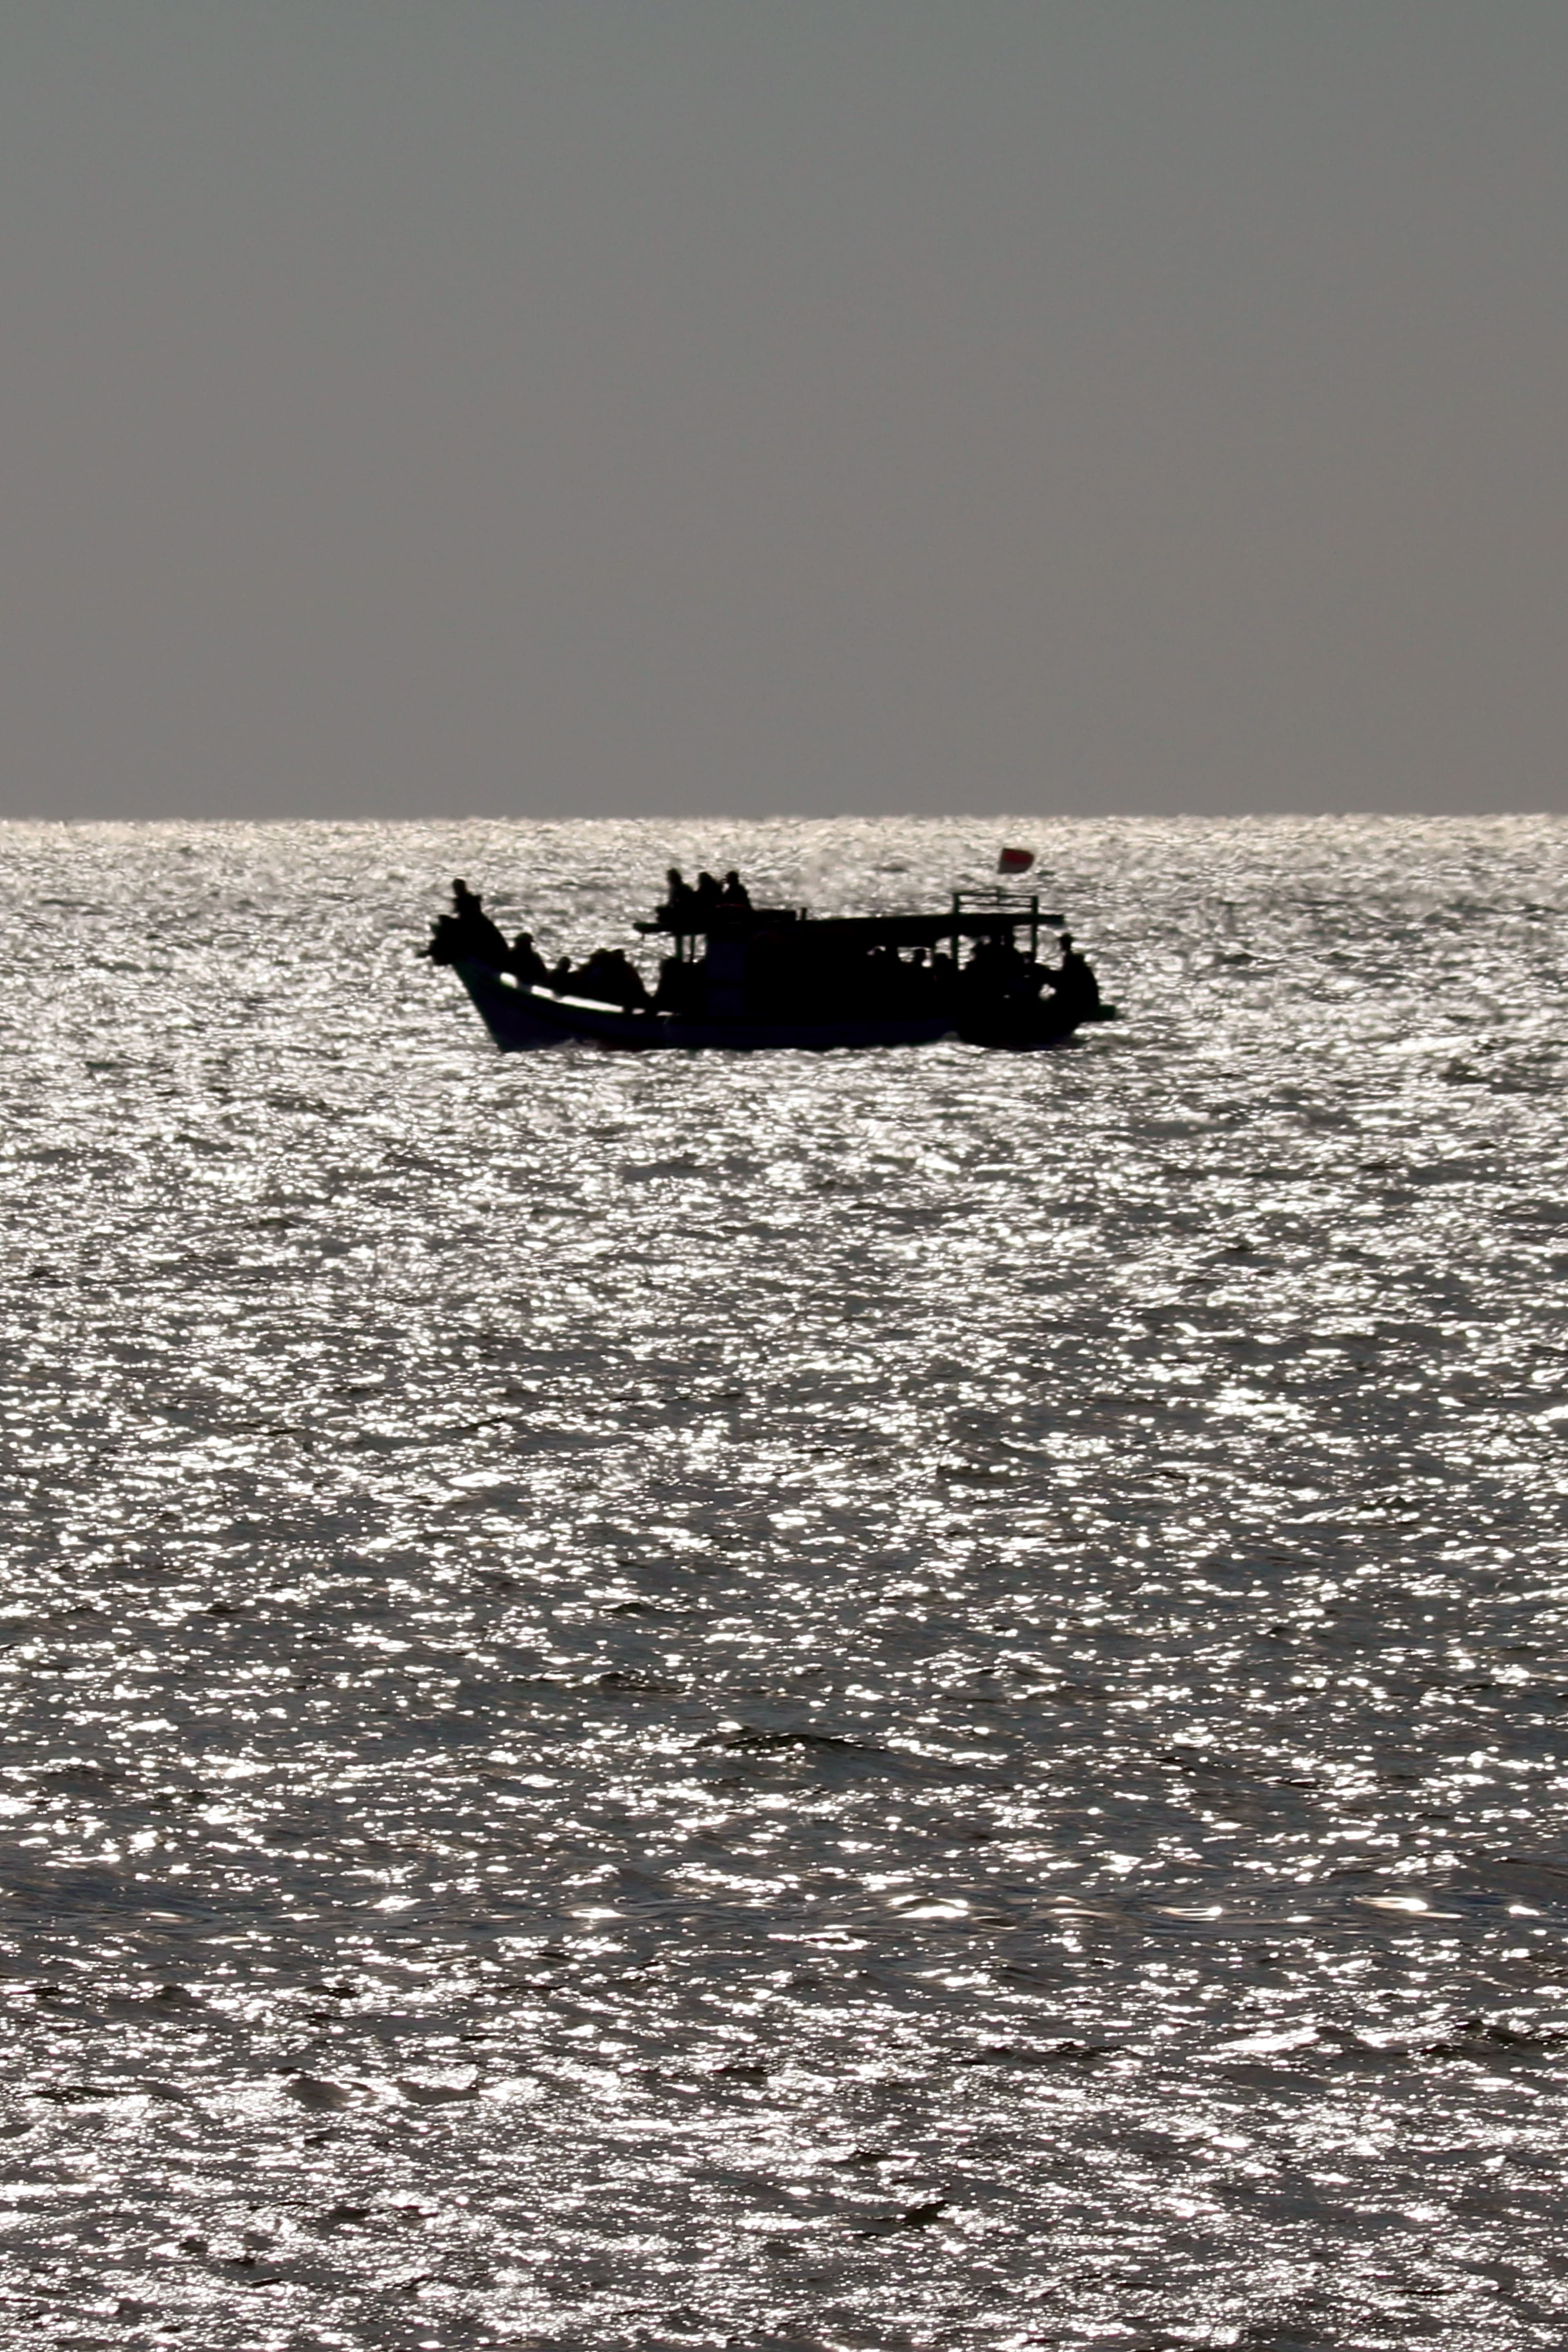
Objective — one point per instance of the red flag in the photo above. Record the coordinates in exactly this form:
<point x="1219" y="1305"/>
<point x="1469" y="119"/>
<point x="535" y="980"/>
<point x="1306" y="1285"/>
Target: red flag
<point x="1015" y="861"/>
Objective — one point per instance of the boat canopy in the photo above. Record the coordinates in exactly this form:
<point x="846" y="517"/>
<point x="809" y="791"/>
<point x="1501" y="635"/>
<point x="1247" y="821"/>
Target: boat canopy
<point x="973" y="915"/>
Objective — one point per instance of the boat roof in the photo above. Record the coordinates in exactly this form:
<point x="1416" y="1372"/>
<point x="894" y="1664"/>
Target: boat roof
<point x="973" y="916"/>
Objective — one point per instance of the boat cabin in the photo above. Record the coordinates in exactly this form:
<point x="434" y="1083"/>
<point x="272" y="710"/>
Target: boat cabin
<point x="762" y="962"/>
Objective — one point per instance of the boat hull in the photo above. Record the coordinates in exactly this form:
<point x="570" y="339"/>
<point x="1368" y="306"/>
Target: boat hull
<point x="521" y="1020"/>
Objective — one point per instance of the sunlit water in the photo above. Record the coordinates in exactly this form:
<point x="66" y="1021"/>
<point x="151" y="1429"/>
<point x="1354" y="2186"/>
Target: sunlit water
<point x="892" y="1700"/>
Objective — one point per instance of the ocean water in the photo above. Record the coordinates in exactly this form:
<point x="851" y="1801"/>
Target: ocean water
<point x="904" y="1700"/>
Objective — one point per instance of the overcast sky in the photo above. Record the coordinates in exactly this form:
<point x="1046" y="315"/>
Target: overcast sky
<point x="760" y="405"/>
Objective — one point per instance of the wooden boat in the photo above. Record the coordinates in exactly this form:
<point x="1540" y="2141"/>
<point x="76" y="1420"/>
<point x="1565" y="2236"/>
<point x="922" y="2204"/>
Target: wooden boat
<point x="759" y="980"/>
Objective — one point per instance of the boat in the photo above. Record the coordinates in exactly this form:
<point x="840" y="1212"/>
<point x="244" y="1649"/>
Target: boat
<point x="765" y="978"/>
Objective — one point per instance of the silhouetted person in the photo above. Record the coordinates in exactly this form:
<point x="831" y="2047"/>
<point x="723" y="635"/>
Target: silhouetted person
<point x="467" y="934"/>
<point x="630" y="986"/>
<point x="561" y="978"/>
<point x="589" y="976"/>
<point x="1074" y="984"/>
<point x="610" y="977"/>
<point x="679" y="894"/>
<point x="527" y="963"/>
<point x="735" y="895"/>
<point x="709" y="895"/>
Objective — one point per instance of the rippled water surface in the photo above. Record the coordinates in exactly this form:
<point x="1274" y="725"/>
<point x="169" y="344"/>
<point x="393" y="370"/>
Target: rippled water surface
<point x="886" y="1700"/>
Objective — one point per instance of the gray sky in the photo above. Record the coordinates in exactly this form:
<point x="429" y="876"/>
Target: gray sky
<point x="667" y="406"/>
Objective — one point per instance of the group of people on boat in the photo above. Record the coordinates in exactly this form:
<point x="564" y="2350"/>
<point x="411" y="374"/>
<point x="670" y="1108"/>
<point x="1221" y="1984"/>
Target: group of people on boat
<point x="467" y="935"/>
<point x="607" y="977"/>
<point x="696" y="904"/>
<point x="999" y="970"/>
<point x="996" y="973"/>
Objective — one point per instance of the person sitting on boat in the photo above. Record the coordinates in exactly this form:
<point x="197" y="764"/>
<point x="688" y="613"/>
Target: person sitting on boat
<point x="734" y="894"/>
<point x="527" y="963"/>
<point x="989" y="964"/>
<point x="1073" y="984"/>
<point x="559" y="980"/>
<point x="588" y="978"/>
<point x="610" y="977"/>
<point x="709" y="895"/>
<point x="679" y="897"/>
<point x="467" y="935"/>
<point x="627" y="981"/>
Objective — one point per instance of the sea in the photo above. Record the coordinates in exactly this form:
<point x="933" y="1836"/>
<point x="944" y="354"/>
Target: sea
<point x="911" y="1700"/>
